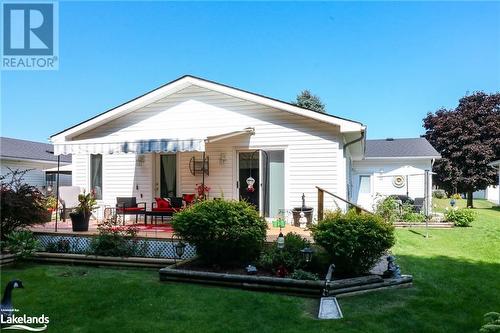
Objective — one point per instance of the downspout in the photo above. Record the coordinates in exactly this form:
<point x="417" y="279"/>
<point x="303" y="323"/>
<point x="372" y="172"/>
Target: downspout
<point x="348" y="172"/>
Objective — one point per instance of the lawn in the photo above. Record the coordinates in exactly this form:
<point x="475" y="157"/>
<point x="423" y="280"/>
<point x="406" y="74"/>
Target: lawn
<point x="456" y="276"/>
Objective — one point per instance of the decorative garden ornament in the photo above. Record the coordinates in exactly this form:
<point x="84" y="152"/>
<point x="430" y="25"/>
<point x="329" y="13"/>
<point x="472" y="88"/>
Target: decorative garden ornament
<point x="281" y="241"/>
<point x="393" y="271"/>
<point x="302" y="220"/>
<point x="250" y="182"/>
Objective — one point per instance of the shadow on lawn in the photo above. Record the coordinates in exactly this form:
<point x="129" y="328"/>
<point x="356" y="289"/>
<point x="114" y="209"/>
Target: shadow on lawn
<point x="449" y="295"/>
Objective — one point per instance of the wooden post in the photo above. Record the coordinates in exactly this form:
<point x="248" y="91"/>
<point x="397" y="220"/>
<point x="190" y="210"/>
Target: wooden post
<point x="320" y="204"/>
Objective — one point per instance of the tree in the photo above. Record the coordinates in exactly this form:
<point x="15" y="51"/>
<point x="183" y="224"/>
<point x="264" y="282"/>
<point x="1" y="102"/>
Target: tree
<point x="468" y="138"/>
<point x="309" y="101"/>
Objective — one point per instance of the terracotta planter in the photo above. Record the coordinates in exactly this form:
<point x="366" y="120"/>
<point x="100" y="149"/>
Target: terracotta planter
<point x="80" y="221"/>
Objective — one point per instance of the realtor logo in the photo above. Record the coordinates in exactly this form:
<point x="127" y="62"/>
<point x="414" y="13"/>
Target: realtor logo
<point x="30" y="36"/>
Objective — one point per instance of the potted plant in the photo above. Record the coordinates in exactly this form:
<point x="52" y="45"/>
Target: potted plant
<point x="50" y="204"/>
<point x="81" y="215"/>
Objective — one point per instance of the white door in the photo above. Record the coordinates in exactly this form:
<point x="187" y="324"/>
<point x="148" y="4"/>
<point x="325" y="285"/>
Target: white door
<point x="365" y="192"/>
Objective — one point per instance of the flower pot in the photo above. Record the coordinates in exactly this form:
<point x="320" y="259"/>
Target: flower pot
<point x="80" y="221"/>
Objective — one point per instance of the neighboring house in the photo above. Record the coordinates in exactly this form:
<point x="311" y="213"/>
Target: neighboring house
<point x="154" y="145"/>
<point x="18" y="154"/>
<point x="492" y="193"/>
<point x="393" y="166"/>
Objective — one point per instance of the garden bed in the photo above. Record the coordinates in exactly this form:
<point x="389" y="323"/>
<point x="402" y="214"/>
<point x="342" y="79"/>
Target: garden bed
<point x="283" y="285"/>
<point x="71" y="258"/>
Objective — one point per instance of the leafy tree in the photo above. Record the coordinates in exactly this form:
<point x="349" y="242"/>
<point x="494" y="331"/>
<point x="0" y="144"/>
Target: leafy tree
<point x="468" y="138"/>
<point x="309" y="101"/>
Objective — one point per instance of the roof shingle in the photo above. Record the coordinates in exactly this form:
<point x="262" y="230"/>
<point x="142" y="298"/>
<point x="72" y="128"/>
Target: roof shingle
<point x="15" y="148"/>
<point x="390" y="148"/>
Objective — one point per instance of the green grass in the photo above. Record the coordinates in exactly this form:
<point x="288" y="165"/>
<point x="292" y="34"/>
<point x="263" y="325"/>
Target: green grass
<point x="456" y="276"/>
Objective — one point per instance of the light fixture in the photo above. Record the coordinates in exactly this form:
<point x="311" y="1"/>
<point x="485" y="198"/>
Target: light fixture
<point x="250" y="182"/>
<point x="307" y="253"/>
<point x="140" y="160"/>
<point x="281" y="241"/>
<point x="222" y="158"/>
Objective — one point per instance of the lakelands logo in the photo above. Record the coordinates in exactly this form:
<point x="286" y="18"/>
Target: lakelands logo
<point x="30" y="36"/>
<point x="24" y="323"/>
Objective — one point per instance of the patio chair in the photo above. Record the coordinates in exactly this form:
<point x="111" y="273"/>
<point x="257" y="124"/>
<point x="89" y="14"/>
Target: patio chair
<point x="166" y="207"/>
<point x="189" y="198"/>
<point x="68" y="198"/>
<point x="418" y="204"/>
<point x="130" y="206"/>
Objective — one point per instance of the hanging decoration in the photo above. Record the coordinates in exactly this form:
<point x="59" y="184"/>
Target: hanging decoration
<point x="250" y="182"/>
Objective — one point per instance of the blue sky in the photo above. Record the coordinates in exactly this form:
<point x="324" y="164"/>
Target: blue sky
<point x="384" y="64"/>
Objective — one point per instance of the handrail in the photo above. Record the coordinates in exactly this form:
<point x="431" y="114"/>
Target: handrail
<point x="321" y="192"/>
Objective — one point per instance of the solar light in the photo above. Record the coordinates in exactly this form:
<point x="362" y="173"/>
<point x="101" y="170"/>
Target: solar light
<point x="307" y="253"/>
<point x="281" y="241"/>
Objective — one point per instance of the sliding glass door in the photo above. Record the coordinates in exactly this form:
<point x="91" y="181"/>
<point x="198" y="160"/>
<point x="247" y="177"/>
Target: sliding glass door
<point x="167" y="175"/>
<point x="267" y="169"/>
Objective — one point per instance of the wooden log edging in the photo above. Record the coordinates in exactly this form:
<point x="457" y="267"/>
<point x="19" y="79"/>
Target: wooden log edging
<point x="284" y="285"/>
<point x="70" y="258"/>
<point x="7" y="259"/>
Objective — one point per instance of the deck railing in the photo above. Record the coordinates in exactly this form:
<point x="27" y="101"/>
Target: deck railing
<point x="321" y="203"/>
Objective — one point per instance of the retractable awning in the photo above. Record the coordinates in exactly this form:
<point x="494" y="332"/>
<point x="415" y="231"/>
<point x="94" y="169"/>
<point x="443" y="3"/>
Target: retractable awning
<point x="136" y="147"/>
<point x="93" y="146"/>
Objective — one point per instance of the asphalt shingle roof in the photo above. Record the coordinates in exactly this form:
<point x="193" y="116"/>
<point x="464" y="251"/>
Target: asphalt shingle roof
<point x="414" y="147"/>
<point x="15" y="148"/>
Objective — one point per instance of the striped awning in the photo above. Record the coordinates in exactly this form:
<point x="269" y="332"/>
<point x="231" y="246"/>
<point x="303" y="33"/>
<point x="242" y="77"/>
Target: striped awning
<point x="136" y="147"/>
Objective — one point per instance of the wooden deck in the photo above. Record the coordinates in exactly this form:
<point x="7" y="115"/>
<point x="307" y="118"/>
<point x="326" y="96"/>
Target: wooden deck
<point x="158" y="230"/>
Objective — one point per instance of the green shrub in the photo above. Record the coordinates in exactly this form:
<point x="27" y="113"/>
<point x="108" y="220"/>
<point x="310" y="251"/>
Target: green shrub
<point x="114" y="240"/>
<point x="354" y="242"/>
<point x="289" y="257"/>
<point x="300" y="274"/>
<point x="408" y="214"/>
<point x="456" y="196"/>
<point x="224" y="232"/>
<point x="439" y="194"/>
<point x="462" y="217"/>
<point x="21" y="242"/>
<point x="388" y="209"/>
<point x="491" y="323"/>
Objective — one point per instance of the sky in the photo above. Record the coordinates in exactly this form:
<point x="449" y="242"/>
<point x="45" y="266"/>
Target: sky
<point x="384" y="64"/>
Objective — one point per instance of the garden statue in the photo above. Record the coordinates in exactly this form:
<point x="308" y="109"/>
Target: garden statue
<point x="302" y="220"/>
<point x="393" y="270"/>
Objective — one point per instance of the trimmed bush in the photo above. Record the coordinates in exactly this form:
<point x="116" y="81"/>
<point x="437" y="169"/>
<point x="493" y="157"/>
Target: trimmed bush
<point x="354" y="242"/>
<point x="289" y="257"/>
<point x="460" y="217"/>
<point x="224" y="232"/>
<point x="114" y="240"/>
<point x="439" y="194"/>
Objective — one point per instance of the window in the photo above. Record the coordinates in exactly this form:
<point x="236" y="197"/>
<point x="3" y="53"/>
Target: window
<point x="96" y="175"/>
<point x="364" y="184"/>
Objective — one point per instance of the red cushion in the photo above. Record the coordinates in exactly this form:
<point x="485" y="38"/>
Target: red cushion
<point x="162" y="203"/>
<point x="188" y="197"/>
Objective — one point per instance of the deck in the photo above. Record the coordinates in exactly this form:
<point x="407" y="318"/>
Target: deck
<point x="158" y="230"/>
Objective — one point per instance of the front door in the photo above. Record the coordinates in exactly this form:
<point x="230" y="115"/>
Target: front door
<point x="166" y="175"/>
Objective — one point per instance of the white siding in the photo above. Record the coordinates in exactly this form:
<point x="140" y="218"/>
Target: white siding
<point x="383" y="185"/>
<point x="35" y="177"/>
<point x="313" y="155"/>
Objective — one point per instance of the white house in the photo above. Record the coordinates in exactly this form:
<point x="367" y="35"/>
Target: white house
<point x="393" y="167"/>
<point x="492" y="193"/>
<point x="154" y="145"/>
<point x="36" y="157"/>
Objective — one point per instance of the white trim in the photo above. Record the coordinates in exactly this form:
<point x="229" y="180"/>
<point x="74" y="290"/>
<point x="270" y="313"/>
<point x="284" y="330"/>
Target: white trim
<point x="7" y="158"/>
<point x="215" y="138"/>
<point x="345" y="125"/>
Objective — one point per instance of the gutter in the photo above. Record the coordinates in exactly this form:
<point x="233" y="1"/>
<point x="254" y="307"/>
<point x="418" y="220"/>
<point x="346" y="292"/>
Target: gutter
<point x="355" y="140"/>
